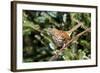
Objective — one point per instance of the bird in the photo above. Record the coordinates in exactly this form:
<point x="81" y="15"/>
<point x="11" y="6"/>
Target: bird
<point x="61" y="37"/>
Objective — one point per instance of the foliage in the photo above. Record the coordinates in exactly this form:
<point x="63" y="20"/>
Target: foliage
<point x="38" y="44"/>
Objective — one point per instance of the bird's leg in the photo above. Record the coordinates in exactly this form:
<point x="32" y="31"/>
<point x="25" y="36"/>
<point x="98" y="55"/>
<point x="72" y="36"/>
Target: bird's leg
<point x="63" y="47"/>
<point x="57" y="52"/>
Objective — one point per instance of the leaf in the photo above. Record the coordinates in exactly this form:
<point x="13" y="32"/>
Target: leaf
<point x="52" y="46"/>
<point x="27" y="31"/>
<point x="81" y="54"/>
<point x="28" y="60"/>
<point x="64" y="18"/>
<point x="85" y="43"/>
<point x="40" y="19"/>
<point x="28" y="24"/>
<point x="68" y="55"/>
<point x="52" y="14"/>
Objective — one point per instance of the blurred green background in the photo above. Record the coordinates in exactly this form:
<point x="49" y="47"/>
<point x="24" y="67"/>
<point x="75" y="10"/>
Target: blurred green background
<point x="37" y="43"/>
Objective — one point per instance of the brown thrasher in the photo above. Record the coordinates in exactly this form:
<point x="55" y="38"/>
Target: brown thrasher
<point x="61" y="37"/>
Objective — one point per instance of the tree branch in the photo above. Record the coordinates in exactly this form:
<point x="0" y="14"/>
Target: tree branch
<point x="55" y="56"/>
<point x="74" y="28"/>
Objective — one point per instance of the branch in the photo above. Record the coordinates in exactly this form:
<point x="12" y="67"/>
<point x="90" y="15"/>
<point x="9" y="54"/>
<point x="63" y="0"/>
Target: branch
<point x="74" y="28"/>
<point x="55" y="56"/>
<point x="78" y="35"/>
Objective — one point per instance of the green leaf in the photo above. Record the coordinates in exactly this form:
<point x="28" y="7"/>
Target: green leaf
<point x="40" y="19"/>
<point x="81" y="54"/>
<point x="85" y="43"/>
<point x="28" y="24"/>
<point x="68" y="55"/>
<point x="53" y="14"/>
<point x="52" y="46"/>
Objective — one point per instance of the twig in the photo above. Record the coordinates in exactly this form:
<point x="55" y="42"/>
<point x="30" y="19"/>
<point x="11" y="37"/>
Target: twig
<point x="78" y="35"/>
<point x="74" y="28"/>
<point x="54" y="57"/>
